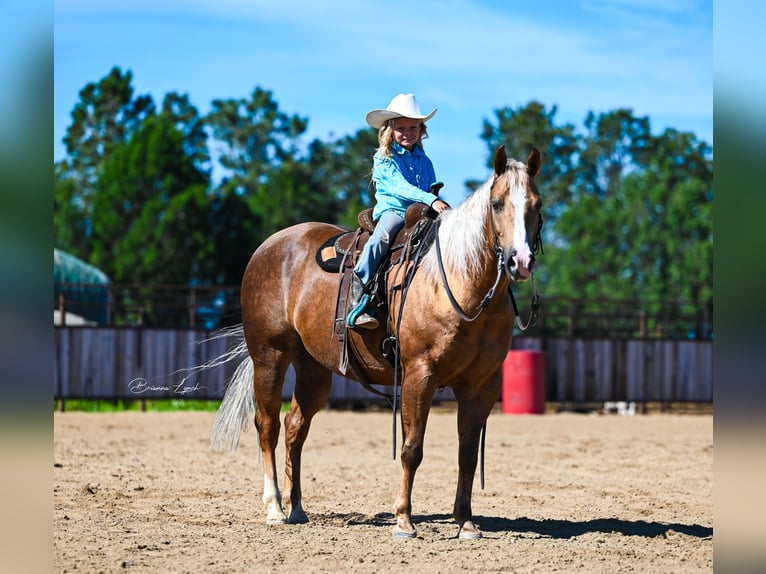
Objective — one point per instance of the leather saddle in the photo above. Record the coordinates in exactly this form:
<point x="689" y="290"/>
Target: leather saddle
<point x="348" y="245"/>
<point x="339" y="255"/>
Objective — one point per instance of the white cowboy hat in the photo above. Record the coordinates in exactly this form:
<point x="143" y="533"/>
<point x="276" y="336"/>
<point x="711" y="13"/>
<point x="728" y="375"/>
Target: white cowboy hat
<point x="402" y="106"/>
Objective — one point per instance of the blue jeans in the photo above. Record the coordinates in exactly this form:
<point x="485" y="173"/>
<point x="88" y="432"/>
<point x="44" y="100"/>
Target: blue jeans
<point x="377" y="246"/>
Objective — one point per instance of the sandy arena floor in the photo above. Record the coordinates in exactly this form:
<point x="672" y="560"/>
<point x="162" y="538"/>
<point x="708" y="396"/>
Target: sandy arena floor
<point x="142" y="492"/>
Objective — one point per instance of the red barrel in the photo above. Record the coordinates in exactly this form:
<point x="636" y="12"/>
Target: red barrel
<point x="524" y="383"/>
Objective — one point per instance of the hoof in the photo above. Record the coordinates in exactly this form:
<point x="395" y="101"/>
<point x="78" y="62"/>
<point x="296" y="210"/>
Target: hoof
<point x="400" y="533"/>
<point x="468" y="531"/>
<point x="275" y="521"/>
<point x="276" y="517"/>
<point x="297" y="516"/>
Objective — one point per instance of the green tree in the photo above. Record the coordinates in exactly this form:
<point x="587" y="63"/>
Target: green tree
<point x="614" y="142"/>
<point x="627" y="215"/>
<point x="273" y="182"/>
<point x="253" y="137"/>
<point x="188" y="121"/>
<point x="594" y="228"/>
<point x="342" y="170"/>
<point x="534" y="126"/>
<point x="675" y="226"/>
<point x="639" y="225"/>
<point x="71" y="217"/>
<point x="235" y="233"/>
<point x="253" y="140"/>
<point x="150" y="222"/>
<point x="104" y="118"/>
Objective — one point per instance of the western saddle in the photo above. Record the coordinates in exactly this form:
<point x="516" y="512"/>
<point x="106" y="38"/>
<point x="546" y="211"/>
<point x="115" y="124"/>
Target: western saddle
<point x="339" y="255"/>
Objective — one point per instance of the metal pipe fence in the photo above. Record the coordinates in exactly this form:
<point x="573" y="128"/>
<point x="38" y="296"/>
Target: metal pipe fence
<point x="211" y="307"/>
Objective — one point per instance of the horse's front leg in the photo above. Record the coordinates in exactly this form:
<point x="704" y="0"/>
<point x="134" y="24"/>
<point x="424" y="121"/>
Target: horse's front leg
<point x="472" y="414"/>
<point x="416" y="403"/>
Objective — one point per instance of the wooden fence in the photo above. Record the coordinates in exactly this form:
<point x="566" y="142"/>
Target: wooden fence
<point x="642" y="370"/>
<point x="142" y="363"/>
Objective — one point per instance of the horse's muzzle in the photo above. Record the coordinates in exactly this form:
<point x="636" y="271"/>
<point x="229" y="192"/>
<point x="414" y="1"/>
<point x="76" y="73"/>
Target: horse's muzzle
<point x="519" y="266"/>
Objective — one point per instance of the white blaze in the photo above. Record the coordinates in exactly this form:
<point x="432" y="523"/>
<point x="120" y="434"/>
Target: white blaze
<point x="520" y="245"/>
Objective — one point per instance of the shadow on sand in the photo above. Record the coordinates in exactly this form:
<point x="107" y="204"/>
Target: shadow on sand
<point x="561" y="529"/>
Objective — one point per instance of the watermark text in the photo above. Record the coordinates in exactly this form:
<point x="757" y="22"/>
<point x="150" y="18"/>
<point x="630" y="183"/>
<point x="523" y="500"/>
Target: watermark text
<point x="140" y="385"/>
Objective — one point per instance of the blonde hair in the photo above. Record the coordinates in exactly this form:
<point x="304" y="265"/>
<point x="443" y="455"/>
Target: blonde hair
<point x="386" y="137"/>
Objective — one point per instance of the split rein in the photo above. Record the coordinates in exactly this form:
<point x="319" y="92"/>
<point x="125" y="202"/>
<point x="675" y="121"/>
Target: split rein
<point x="499" y="253"/>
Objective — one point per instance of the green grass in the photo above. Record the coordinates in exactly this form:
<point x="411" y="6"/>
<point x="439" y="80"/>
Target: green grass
<point x="155" y="405"/>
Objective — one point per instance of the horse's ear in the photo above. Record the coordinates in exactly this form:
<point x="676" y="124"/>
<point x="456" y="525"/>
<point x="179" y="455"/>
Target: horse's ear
<point x="501" y="160"/>
<point x="534" y="161"/>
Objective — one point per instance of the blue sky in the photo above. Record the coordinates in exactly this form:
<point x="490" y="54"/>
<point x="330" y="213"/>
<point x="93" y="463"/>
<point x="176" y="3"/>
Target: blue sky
<point x="333" y="61"/>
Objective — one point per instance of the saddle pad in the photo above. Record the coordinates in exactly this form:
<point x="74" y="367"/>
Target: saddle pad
<point x="328" y="257"/>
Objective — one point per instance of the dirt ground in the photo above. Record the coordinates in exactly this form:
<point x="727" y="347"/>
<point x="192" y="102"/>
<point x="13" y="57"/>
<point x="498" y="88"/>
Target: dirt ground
<point x="142" y="492"/>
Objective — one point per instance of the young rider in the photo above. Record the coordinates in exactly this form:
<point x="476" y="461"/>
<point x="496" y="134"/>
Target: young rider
<point x="403" y="175"/>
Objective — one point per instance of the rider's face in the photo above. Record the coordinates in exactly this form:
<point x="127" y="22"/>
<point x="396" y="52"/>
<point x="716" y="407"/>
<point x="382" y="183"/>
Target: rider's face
<point x="406" y="132"/>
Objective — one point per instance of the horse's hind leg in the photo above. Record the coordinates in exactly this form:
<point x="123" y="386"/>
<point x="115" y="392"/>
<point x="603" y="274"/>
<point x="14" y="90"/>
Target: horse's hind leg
<point x="268" y="377"/>
<point x="312" y="387"/>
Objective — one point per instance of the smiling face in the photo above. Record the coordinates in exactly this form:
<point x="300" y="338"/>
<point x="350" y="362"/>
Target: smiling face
<point x="407" y="132"/>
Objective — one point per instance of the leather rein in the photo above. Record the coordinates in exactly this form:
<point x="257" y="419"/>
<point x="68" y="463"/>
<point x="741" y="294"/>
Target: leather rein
<point x="537" y="245"/>
<point x="501" y="266"/>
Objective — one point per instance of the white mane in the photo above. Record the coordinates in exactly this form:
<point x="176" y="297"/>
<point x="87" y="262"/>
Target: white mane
<point x="463" y="234"/>
<point x="462" y="237"/>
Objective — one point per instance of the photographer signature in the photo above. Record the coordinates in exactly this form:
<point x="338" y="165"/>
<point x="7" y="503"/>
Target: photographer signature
<point x="141" y="385"/>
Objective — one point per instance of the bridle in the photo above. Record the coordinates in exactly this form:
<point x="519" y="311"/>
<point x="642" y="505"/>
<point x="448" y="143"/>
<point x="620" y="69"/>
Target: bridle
<point x="537" y="246"/>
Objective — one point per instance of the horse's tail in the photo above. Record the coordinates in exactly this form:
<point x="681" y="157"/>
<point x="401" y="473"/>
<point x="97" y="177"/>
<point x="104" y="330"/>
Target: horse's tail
<point x="238" y="403"/>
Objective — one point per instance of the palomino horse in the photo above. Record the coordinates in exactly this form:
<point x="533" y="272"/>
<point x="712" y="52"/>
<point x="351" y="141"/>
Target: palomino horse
<point x="288" y="310"/>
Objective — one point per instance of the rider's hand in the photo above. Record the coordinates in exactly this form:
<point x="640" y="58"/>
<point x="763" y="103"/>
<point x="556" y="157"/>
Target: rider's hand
<point x="439" y="206"/>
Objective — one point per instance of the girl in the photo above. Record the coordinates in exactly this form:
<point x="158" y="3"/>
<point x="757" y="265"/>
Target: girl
<point x="403" y="175"/>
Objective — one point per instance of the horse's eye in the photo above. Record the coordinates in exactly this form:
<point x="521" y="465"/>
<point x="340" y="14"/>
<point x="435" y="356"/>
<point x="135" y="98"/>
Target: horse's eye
<point x="497" y="205"/>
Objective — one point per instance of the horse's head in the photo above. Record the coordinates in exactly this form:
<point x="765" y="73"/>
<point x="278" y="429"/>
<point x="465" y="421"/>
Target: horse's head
<point x="515" y="205"/>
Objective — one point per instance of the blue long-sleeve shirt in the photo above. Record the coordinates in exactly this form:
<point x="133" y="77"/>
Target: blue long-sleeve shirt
<point x="402" y="179"/>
